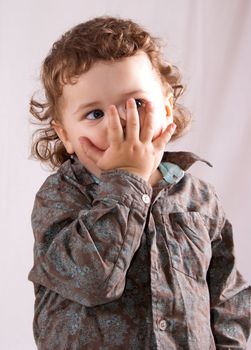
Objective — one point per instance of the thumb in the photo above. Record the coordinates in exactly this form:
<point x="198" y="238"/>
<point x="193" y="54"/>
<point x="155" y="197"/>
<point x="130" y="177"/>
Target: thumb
<point x="90" y="150"/>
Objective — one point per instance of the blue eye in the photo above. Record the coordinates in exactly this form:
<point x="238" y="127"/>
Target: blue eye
<point x="94" y="114"/>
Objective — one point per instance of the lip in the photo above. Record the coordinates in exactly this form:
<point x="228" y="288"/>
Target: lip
<point x="100" y="149"/>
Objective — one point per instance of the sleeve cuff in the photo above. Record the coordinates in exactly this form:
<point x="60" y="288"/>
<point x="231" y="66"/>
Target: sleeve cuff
<point x="121" y="185"/>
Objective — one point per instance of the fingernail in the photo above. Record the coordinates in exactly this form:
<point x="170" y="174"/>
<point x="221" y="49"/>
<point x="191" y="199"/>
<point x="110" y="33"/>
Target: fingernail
<point x="112" y="108"/>
<point x="131" y="101"/>
<point x="173" y="127"/>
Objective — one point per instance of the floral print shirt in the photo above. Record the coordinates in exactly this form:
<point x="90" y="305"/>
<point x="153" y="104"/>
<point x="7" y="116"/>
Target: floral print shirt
<point x="119" y="264"/>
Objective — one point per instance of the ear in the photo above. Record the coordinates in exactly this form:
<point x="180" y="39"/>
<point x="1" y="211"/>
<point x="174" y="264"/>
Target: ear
<point x="62" y="134"/>
<point x="169" y="105"/>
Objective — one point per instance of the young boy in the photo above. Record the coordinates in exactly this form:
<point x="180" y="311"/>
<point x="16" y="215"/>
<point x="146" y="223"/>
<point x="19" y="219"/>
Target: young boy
<point x="131" y="250"/>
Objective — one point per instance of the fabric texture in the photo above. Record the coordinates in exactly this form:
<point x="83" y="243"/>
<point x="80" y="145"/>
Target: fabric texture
<point x="119" y="264"/>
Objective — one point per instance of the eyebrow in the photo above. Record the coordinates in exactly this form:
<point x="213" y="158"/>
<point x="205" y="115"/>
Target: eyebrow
<point x="94" y="103"/>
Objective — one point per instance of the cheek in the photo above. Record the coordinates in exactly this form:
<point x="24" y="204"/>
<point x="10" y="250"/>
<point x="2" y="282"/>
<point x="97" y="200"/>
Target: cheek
<point x="97" y="135"/>
<point x="160" y="121"/>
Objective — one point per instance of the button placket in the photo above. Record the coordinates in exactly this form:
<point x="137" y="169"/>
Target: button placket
<point x="162" y="325"/>
<point x="146" y="198"/>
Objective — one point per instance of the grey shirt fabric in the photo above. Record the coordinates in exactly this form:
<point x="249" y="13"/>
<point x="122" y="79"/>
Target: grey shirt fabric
<point x="119" y="264"/>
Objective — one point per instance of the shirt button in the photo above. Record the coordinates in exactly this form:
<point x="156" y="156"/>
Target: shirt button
<point x="146" y="198"/>
<point x="162" y="325"/>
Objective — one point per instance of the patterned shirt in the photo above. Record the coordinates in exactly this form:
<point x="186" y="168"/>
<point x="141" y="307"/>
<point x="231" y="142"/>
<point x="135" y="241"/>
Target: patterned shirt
<point x="119" y="264"/>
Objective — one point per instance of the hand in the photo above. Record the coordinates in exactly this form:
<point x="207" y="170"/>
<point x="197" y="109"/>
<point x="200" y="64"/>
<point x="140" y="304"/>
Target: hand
<point x="135" y="152"/>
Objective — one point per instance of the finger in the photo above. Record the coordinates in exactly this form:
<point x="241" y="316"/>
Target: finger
<point x="115" y="130"/>
<point x="90" y="150"/>
<point x="161" y="141"/>
<point x="132" y="121"/>
<point x="147" y="130"/>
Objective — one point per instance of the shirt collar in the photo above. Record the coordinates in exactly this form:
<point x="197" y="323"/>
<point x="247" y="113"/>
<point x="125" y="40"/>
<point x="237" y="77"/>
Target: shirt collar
<point x="174" y="164"/>
<point x="184" y="160"/>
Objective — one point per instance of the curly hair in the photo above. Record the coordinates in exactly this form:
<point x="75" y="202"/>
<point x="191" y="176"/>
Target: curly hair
<point x="102" y="38"/>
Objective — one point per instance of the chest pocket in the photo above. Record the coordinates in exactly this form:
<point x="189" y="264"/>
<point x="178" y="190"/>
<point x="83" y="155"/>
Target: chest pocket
<point x="188" y="243"/>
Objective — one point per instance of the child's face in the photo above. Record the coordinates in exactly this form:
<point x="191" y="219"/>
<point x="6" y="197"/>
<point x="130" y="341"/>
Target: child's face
<point x="108" y="83"/>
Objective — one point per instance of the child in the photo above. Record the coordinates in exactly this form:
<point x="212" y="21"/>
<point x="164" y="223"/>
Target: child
<point x="131" y="250"/>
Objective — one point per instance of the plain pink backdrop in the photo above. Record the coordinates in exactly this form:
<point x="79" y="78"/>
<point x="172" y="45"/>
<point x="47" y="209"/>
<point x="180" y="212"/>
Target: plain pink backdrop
<point x="210" y="40"/>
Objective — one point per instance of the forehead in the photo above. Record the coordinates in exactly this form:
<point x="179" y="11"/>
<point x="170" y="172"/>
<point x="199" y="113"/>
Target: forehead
<point x="139" y="61"/>
<point x="123" y="74"/>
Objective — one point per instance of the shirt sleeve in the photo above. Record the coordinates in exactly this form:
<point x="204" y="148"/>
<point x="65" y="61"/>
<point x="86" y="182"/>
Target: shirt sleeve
<point x="230" y="293"/>
<point x="86" y="259"/>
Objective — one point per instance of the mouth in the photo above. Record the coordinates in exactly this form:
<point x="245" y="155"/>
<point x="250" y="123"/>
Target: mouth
<point x="102" y="149"/>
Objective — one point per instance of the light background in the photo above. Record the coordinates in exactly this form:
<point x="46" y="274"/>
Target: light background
<point x="210" y="40"/>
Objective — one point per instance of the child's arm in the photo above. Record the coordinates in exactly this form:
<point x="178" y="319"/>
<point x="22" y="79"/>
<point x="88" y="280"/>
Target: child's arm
<point x="230" y="294"/>
<point x="82" y="252"/>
